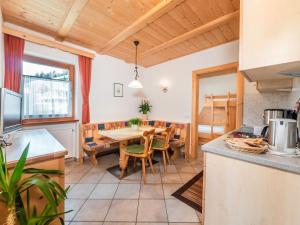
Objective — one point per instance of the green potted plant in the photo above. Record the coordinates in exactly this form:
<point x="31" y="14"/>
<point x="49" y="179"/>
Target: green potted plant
<point x="15" y="187"/>
<point x="135" y="123"/>
<point x="145" y="108"/>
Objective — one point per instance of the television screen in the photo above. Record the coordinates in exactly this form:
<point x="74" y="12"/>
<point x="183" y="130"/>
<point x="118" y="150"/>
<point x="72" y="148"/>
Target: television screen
<point x="11" y="110"/>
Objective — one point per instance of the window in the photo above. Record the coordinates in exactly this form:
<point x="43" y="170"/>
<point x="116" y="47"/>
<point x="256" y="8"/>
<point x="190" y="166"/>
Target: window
<point x="47" y="88"/>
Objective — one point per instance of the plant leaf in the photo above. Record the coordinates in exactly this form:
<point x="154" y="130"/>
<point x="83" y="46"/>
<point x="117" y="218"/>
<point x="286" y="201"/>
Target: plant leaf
<point x="42" y="171"/>
<point x="18" y="171"/>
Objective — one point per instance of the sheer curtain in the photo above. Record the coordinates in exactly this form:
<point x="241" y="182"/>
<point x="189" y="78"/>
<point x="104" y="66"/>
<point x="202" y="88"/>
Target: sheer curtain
<point x="46" y="98"/>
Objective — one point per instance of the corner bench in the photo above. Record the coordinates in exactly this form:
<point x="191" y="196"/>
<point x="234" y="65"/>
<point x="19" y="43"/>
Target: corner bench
<point x="92" y="142"/>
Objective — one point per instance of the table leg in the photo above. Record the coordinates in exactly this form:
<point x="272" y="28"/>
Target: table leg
<point x="123" y="145"/>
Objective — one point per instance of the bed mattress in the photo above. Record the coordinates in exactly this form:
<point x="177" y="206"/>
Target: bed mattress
<point x="206" y="129"/>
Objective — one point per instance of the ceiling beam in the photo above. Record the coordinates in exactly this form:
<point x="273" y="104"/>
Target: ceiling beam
<point x="190" y="34"/>
<point x="70" y="18"/>
<point x="160" y="9"/>
<point x="46" y="42"/>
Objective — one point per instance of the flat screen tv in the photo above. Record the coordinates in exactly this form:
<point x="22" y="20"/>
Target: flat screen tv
<point x="11" y="111"/>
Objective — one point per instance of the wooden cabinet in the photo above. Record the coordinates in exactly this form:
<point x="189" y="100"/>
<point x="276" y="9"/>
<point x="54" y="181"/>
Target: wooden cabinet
<point x="241" y="193"/>
<point x="269" y="35"/>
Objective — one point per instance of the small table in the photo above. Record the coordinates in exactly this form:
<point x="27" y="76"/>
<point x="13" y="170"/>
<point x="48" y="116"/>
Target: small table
<point x="123" y="135"/>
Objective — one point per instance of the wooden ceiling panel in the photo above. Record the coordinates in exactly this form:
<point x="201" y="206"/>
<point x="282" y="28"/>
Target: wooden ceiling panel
<point x="166" y="29"/>
<point x="47" y="14"/>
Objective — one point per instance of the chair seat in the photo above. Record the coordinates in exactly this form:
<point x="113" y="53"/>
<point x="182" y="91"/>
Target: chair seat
<point x="135" y="149"/>
<point x="158" y="143"/>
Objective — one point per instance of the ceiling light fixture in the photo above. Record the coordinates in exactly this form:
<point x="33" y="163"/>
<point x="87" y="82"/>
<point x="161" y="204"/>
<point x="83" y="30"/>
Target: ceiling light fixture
<point x="135" y="83"/>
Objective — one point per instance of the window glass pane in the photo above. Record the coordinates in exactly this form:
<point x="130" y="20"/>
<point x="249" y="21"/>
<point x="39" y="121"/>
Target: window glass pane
<point x="46" y="92"/>
<point x="45" y="71"/>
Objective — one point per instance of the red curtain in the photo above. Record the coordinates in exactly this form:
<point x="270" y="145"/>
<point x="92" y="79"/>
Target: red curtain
<point x="13" y="55"/>
<point x="85" y="67"/>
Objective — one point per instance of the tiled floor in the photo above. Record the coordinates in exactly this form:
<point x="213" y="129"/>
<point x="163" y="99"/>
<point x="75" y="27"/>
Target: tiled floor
<point x="98" y="198"/>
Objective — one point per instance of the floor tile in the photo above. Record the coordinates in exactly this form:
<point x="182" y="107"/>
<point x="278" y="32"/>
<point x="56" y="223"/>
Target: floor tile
<point x="123" y="210"/>
<point x="186" y="169"/>
<point x="91" y="178"/>
<point x="72" y="204"/>
<point x="180" y="212"/>
<point x="141" y="223"/>
<point x="185" y="223"/>
<point x="170" y="169"/>
<point x="86" y="223"/>
<point x="185" y="177"/>
<point x="81" y="191"/>
<point x="171" y="178"/>
<point x="152" y="211"/>
<point x="128" y="191"/>
<point x="153" y="178"/>
<point x="133" y="178"/>
<point x="93" y="210"/>
<point x="169" y="189"/>
<point x="104" y="191"/>
<point x="108" y="178"/>
<point x="151" y="191"/>
<point x="73" y="178"/>
<point x="118" y="223"/>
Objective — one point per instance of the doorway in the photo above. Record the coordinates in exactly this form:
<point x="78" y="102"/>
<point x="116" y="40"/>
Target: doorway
<point x="223" y="108"/>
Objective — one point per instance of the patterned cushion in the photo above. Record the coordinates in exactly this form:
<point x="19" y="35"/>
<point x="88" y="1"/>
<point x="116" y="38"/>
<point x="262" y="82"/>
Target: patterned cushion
<point x="135" y="149"/>
<point x="101" y="126"/>
<point x="88" y="139"/>
<point x="158" y="143"/>
<point x="168" y="124"/>
<point x="151" y="123"/>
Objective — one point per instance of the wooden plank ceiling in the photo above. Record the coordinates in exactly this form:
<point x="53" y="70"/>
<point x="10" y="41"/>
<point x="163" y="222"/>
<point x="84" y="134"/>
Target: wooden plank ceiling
<point x="166" y="29"/>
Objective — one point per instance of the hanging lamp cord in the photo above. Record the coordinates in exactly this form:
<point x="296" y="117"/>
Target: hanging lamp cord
<point x="136" y="67"/>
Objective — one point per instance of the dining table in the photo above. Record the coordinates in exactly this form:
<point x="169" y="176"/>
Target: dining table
<point x="124" y="135"/>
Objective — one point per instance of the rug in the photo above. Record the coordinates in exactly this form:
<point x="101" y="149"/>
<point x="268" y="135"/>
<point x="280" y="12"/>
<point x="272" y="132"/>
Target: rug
<point x="191" y="192"/>
<point x="115" y="170"/>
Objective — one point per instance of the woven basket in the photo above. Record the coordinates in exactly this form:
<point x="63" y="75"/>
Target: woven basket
<point x="239" y="145"/>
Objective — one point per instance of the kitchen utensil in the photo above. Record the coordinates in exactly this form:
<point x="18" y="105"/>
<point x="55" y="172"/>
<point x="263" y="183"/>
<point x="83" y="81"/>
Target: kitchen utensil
<point x="283" y="135"/>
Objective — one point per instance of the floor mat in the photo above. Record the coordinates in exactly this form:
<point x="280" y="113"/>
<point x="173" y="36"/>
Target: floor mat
<point x="191" y="192"/>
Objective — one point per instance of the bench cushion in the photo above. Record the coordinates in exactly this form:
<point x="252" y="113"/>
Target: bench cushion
<point x="158" y="143"/>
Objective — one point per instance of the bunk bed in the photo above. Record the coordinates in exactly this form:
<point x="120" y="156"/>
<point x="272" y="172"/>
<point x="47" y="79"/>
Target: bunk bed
<point x="217" y="116"/>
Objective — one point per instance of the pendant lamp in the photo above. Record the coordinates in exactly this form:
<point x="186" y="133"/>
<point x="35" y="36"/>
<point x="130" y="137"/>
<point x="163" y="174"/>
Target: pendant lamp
<point x="135" y="83"/>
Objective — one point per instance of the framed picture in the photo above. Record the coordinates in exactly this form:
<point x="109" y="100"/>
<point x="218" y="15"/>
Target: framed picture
<point x="118" y="90"/>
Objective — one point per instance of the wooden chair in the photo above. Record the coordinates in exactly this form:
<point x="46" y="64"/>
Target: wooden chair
<point x="162" y="143"/>
<point x="141" y="151"/>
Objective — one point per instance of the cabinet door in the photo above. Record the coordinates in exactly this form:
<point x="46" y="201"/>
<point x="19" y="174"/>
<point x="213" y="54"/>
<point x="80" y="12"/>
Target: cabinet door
<point x="269" y="33"/>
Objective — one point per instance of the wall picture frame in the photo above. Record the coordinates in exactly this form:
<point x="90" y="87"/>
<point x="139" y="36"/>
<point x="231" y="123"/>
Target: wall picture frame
<point x="118" y="90"/>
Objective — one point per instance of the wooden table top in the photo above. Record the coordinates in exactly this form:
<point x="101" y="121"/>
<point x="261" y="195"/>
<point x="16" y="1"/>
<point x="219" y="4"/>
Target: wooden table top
<point x="124" y="134"/>
<point x="43" y="147"/>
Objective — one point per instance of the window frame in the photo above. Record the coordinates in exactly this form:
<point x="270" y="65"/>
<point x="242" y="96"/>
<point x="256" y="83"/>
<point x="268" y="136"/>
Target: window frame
<point x="71" y="68"/>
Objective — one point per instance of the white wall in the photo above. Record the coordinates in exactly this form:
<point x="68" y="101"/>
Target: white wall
<point x="176" y="104"/>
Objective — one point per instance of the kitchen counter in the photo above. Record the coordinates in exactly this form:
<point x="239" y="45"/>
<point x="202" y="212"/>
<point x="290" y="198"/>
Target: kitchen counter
<point x="244" y="188"/>
<point x="43" y="147"/>
<point x="218" y="146"/>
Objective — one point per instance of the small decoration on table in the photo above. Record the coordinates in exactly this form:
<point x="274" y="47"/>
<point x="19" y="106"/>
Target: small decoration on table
<point x="135" y="123"/>
<point x="250" y="145"/>
<point x="145" y="108"/>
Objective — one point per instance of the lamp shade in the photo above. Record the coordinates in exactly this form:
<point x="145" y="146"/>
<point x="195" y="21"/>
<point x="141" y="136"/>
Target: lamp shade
<point x="135" y="84"/>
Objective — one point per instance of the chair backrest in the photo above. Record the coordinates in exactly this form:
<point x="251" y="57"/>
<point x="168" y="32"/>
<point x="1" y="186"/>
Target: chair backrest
<point x="168" y="133"/>
<point x="148" y="137"/>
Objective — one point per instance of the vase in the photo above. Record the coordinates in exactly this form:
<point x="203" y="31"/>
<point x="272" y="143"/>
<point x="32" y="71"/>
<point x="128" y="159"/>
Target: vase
<point x="134" y="127"/>
<point x="145" y="116"/>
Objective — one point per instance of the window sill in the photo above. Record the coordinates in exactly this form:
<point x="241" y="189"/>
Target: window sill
<point x="34" y="122"/>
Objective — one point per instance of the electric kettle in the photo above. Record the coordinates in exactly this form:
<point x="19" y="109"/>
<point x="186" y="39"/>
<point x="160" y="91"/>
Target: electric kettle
<point x="283" y="135"/>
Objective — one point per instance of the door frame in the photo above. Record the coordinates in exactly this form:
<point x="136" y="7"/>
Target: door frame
<point x="211" y="72"/>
